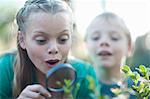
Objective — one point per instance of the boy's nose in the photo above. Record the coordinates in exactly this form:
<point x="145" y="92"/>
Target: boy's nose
<point x="104" y="42"/>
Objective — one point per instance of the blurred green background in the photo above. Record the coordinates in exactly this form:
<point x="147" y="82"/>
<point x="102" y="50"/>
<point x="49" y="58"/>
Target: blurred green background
<point x="8" y="10"/>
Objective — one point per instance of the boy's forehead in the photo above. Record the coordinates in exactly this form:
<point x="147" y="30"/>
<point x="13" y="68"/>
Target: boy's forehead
<point x="109" y="24"/>
<point x="105" y="27"/>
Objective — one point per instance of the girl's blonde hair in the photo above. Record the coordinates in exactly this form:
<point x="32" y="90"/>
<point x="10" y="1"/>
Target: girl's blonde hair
<point x="24" y="69"/>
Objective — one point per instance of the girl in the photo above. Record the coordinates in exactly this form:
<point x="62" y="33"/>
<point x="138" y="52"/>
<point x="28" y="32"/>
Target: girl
<point x="44" y="40"/>
<point x="109" y="43"/>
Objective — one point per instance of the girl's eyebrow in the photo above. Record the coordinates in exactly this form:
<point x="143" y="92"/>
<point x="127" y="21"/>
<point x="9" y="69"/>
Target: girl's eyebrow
<point x="64" y="31"/>
<point x="39" y="31"/>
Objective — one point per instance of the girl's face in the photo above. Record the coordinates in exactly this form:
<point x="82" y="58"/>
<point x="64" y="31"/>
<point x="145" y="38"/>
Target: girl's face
<point x="47" y="39"/>
<point x="107" y="43"/>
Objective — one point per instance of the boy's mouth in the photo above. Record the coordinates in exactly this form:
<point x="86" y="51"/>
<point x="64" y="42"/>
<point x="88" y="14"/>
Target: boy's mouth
<point x="104" y="53"/>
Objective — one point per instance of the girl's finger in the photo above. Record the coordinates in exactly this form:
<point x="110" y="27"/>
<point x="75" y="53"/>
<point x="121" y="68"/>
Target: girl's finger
<point x="33" y="95"/>
<point x="39" y="89"/>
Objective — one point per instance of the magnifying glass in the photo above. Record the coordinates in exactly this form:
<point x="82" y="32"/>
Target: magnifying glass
<point x="56" y="76"/>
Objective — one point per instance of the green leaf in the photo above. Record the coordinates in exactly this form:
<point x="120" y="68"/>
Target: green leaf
<point x="137" y="75"/>
<point x="67" y="82"/>
<point x="142" y="69"/>
<point x="132" y="75"/>
<point x="126" y="69"/>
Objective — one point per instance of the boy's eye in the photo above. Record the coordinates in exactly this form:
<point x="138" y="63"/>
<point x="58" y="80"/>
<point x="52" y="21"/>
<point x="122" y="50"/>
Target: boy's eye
<point x="95" y="38"/>
<point x="63" y="39"/>
<point x="115" y="38"/>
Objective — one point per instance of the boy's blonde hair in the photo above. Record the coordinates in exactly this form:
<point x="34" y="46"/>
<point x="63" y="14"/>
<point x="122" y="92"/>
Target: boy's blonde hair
<point x="113" y="19"/>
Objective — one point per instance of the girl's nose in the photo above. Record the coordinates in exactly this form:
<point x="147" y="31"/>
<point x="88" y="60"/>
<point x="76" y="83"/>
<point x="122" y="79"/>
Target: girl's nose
<point x="53" y="52"/>
<point x="53" y="49"/>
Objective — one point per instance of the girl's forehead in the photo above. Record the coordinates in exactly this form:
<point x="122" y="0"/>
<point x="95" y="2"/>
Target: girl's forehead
<point x="47" y="22"/>
<point x="36" y="15"/>
<point x="42" y="18"/>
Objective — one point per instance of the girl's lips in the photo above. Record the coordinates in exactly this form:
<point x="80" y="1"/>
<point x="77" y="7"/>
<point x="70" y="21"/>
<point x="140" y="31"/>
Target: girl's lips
<point x="52" y="63"/>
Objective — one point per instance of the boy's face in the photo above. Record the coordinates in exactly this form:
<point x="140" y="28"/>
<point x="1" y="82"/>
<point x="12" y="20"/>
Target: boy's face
<point x="47" y="39"/>
<point x="107" y="43"/>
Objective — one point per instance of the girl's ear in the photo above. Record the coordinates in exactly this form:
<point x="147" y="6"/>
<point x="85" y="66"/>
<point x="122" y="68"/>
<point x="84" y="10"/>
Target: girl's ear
<point x="21" y="39"/>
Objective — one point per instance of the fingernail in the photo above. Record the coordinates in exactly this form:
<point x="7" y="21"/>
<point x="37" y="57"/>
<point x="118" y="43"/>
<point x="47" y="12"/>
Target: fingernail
<point x="49" y="95"/>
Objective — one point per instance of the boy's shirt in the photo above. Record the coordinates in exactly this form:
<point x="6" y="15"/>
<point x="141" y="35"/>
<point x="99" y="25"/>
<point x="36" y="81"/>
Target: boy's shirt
<point x="106" y="89"/>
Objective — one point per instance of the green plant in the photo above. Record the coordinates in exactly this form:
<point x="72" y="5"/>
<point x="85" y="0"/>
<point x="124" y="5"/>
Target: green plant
<point x="91" y="86"/>
<point x="141" y="80"/>
<point x="95" y="89"/>
<point x="68" y="87"/>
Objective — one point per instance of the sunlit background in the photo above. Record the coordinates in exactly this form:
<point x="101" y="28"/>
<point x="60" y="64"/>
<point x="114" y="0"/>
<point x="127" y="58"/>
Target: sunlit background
<point x="136" y="14"/>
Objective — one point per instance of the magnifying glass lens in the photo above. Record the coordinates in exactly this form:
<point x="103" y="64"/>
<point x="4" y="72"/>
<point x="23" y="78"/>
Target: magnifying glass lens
<point x="56" y="77"/>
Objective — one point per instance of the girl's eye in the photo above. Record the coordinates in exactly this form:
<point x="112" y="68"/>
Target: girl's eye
<point x="41" y="41"/>
<point x="63" y="39"/>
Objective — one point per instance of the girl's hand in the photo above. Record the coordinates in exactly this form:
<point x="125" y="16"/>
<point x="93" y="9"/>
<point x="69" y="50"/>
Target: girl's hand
<point x="34" y="92"/>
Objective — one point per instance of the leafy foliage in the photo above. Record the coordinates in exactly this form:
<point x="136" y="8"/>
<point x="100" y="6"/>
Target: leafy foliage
<point x="68" y="87"/>
<point x="91" y="86"/>
<point x="141" y="80"/>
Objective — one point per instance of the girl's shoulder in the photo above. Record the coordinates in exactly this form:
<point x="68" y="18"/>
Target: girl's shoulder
<point x="78" y="63"/>
<point x="7" y="59"/>
<point x="8" y="54"/>
<point x="83" y="68"/>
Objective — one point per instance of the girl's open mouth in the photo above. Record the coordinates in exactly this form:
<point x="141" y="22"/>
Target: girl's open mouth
<point x="52" y="63"/>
